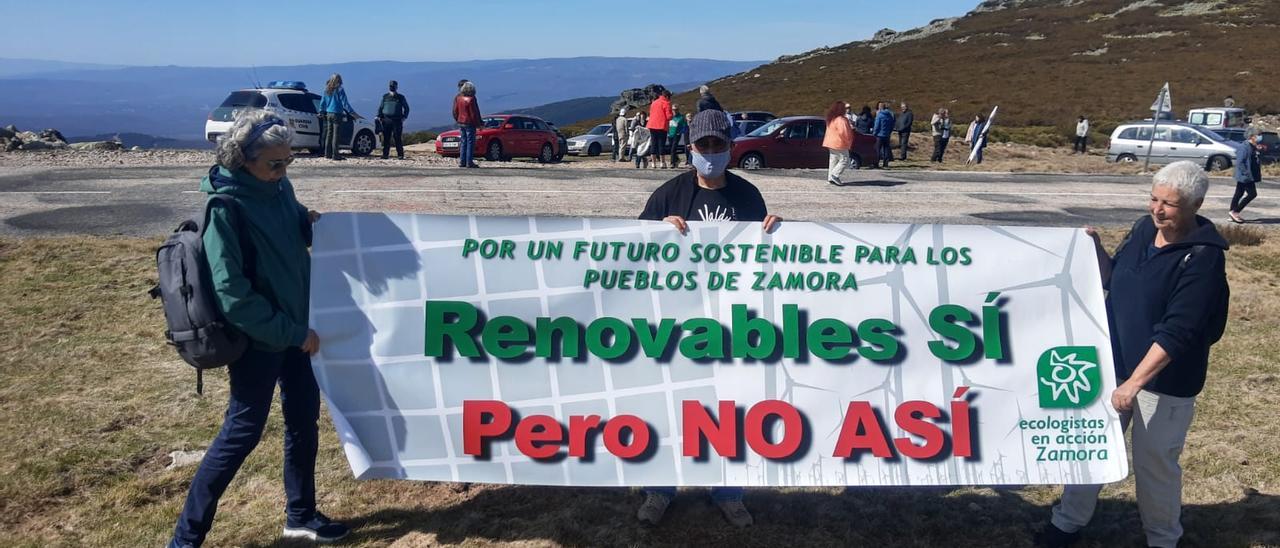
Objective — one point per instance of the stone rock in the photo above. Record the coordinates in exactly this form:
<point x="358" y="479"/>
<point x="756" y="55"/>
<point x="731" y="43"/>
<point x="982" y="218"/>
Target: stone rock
<point x="12" y="145"/>
<point x="8" y="132"/>
<point x="97" y="146"/>
<point x="52" y="135"/>
<point x="636" y="98"/>
<point x="42" y="145"/>
<point x="182" y="459"/>
<point x="136" y="148"/>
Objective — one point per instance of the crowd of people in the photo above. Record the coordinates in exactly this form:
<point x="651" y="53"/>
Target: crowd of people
<point x="1167" y="299"/>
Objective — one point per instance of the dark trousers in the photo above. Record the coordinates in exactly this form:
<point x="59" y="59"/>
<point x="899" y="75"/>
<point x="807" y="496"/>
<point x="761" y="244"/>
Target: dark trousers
<point x="884" y="150"/>
<point x="657" y="143"/>
<point x="253" y="382"/>
<point x="332" y="125"/>
<point x="1245" y="193"/>
<point x="675" y="144"/>
<point x="939" y="147"/>
<point x="977" y="148"/>
<point x="903" y="138"/>
<point x="392" y="129"/>
<point x="1081" y="145"/>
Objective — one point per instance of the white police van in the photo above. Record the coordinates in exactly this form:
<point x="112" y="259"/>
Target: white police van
<point x="298" y="107"/>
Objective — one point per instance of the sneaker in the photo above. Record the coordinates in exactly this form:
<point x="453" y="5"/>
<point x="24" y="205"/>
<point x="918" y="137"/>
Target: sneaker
<point x="1053" y="537"/>
<point x="318" y="529"/>
<point x="1236" y="218"/>
<point x="736" y="513"/>
<point x="654" y="506"/>
<point x="835" y="182"/>
<point x="173" y="543"/>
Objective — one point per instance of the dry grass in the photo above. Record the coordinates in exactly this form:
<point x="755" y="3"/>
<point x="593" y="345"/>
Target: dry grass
<point x="92" y="401"/>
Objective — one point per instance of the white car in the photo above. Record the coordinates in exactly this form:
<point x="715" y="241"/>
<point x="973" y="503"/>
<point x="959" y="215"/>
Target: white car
<point x="599" y="139"/>
<point x="296" y="106"/>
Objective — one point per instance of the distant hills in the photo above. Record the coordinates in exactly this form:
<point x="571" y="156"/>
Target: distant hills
<point x="1045" y="62"/>
<point x="173" y="102"/>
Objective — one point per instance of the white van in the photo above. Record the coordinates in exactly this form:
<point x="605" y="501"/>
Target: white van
<point x="297" y="107"/>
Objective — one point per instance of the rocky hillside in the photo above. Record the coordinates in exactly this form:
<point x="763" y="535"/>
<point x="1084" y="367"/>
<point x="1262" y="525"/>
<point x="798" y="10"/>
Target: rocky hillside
<point x="1043" y="61"/>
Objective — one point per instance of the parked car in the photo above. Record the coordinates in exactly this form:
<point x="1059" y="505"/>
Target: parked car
<point x="758" y="115"/>
<point x="745" y="127"/>
<point x="1270" y="152"/>
<point x="592" y="143"/>
<point x="298" y="107"/>
<point x="795" y="142"/>
<point x="562" y="143"/>
<point x="506" y="136"/>
<point x="1173" y="141"/>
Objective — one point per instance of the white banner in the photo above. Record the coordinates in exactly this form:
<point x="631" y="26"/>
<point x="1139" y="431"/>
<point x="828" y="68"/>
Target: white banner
<point x="567" y="351"/>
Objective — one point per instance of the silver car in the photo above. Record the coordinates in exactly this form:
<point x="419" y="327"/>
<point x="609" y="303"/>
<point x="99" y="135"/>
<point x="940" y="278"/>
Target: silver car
<point x="599" y="139"/>
<point x="1173" y="141"/>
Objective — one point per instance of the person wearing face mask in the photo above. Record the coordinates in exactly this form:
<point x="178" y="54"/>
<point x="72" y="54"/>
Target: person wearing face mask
<point x="260" y="270"/>
<point x="707" y="193"/>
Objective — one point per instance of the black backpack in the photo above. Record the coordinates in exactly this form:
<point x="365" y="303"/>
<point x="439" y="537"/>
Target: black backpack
<point x="194" y="324"/>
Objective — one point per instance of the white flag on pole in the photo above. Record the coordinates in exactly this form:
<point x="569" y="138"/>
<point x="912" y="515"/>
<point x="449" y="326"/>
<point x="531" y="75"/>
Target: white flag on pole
<point x="1164" y="101"/>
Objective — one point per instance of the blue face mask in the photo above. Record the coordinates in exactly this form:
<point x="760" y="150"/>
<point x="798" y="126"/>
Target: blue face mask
<point x="710" y="165"/>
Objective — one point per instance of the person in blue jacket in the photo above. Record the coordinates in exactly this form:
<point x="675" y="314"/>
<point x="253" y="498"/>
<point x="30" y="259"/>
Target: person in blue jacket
<point x="882" y="129"/>
<point x="1248" y="174"/>
<point x="333" y="107"/>
<point x="1166" y="304"/>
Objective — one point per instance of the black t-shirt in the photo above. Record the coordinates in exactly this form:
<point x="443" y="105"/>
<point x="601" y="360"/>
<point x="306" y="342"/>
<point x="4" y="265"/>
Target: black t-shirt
<point x="738" y="200"/>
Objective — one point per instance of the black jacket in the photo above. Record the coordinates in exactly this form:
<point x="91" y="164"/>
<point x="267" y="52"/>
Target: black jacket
<point x="1175" y="296"/>
<point x="708" y="102"/>
<point x="904" y="122"/>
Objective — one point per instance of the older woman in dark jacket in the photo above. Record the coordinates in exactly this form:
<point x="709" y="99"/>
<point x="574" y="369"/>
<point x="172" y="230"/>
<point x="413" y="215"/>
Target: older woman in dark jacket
<point x="1167" y="304"/>
<point x="262" y="289"/>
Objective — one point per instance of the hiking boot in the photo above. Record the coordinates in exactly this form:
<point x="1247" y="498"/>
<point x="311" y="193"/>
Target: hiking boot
<point x="736" y="513"/>
<point x="1053" y="537"/>
<point x="319" y="529"/>
<point x="654" y="506"/>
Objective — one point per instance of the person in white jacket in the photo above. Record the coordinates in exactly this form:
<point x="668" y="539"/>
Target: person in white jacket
<point x="620" y="141"/>
<point x="1082" y="136"/>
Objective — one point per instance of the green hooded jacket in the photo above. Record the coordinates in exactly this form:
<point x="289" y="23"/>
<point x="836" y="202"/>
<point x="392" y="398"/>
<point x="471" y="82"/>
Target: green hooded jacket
<point x="271" y="308"/>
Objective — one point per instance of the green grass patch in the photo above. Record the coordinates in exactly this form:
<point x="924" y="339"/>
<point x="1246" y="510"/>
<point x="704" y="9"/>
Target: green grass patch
<point x="93" y="402"/>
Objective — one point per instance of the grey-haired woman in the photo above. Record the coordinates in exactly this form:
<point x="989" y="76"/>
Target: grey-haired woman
<point x="1167" y="304"/>
<point x="268" y="302"/>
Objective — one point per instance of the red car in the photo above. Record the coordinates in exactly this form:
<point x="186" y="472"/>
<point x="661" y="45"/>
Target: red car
<point x="796" y="142"/>
<point x="506" y="136"/>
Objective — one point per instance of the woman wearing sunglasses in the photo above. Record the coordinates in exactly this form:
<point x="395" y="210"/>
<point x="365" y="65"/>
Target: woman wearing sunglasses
<point x="260" y="270"/>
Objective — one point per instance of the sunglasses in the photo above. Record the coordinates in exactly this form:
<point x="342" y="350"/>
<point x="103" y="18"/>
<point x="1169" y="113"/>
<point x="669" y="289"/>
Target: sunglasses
<point x="277" y="164"/>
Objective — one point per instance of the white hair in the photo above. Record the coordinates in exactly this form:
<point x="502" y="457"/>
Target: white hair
<point x="703" y="89"/>
<point x="468" y="89"/>
<point x="1187" y="178"/>
<point x="234" y="147"/>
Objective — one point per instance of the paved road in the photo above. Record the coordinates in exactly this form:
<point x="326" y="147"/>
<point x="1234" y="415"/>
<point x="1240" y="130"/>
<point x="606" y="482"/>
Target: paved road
<point x="149" y="201"/>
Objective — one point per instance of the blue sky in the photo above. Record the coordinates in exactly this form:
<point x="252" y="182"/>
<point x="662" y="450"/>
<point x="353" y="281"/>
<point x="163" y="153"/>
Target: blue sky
<point x="243" y="33"/>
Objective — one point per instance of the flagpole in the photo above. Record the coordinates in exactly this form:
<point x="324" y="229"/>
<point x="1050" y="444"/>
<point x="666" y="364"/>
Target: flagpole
<point x="1159" y="109"/>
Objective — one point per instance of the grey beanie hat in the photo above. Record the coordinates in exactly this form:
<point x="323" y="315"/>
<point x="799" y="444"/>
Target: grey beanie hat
<point x="709" y="123"/>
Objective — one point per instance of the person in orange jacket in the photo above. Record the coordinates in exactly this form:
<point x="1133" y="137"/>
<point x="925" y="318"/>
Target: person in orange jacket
<point x="660" y="115"/>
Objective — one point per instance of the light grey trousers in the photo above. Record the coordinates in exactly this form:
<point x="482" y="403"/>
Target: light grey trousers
<point x="837" y="163"/>
<point x="1158" y="437"/>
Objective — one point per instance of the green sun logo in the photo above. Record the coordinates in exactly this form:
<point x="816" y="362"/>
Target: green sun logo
<point x="1069" y="377"/>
